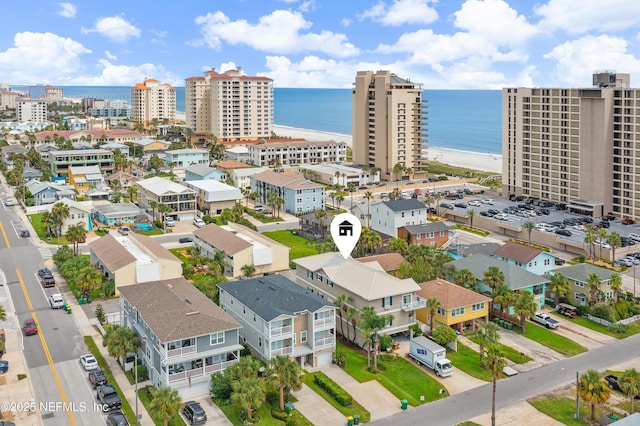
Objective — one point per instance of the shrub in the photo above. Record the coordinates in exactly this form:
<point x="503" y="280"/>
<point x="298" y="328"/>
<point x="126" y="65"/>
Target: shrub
<point x="603" y="311"/>
<point x="208" y="219"/>
<point x="273" y="398"/>
<point x="220" y="386"/>
<point x="417" y="331"/>
<point x="63" y="254"/>
<point x="142" y="372"/>
<point x="333" y="389"/>
<point x="618" y="328"/>
<point x="443" y="178"/>
<point x="582" y="310"/>
<point x="388" y="357"/>
<point x="187" y="271"/>
<point x="385" y="342"/>
<point x="280" y="415"/>
<point x="292" y="422"/>
<point x="100" y="315"/>
<point x="245" y="350"/>
<point x="109" y="288"/>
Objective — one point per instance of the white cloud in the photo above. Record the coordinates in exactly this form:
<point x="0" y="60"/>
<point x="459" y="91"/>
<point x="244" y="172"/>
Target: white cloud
<point x="127" y="75"/>
<point x="307" y="6"/>
<point x="68" y="10"/>
<point x="589" y="15"/>
<point x="577" y="59"/>
<point x="226" y="66"/>
<point x="110" y="56"/>
<point x="114" y="28"/>
<point x="401" y="12"/>
<point x="281" y="32"/>
<point x="35" y="55"/>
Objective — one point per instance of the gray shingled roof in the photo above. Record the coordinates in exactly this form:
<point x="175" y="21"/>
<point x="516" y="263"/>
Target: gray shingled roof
<point x="427" y="227"/>
<point x="515" y="277"/>
<point x="404" y="205"/>
<point x="581" y="271"/>
<point x="273" y="295"/>
<point x="200" y="169"/>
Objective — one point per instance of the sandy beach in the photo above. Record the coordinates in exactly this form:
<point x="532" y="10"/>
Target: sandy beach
<point x="473" y="160"/>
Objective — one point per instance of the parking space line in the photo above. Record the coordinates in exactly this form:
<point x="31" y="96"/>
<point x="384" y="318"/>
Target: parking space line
<point x="4" y="235"/>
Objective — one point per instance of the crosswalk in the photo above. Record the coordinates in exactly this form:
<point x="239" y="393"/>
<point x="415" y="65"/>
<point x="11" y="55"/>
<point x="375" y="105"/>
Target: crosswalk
<point x="45" y="252"/>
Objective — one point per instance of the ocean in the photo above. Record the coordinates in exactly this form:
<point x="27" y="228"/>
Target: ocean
<point x="468" y="120"/>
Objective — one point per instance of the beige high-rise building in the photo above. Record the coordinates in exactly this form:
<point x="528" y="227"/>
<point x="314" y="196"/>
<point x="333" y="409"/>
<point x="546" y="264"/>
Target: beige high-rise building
<point x="389" y="125"/>
<point x="230" y="105"/>
<point x="575" y="146"/>
<point x="34" y="110"/>
<point x="150" y="100"/>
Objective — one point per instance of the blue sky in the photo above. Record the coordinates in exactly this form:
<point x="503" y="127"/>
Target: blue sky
<point x="471" y="44"/>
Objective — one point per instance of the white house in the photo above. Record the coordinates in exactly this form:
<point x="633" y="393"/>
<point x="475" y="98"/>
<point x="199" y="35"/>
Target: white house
<point x="388" y="216"/>
<point x="213" y="196"/>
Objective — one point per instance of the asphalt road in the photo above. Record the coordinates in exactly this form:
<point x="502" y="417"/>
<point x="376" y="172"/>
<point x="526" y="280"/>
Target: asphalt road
<point x="467" y="405"/>
<point x="52" y="355"/>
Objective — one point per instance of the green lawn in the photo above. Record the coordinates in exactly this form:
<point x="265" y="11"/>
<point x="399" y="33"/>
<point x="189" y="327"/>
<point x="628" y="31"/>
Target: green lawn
<point x="468" y="360"/>
<point x="263" y="217"/>
<point x="178" y="253"/>
<point x="145" y="398"/>
<point x="468" y="424"/>
<point x="300" y="247"/>
<point x="41" y="229"/>
<point x="510" y="353"/>
<point x="400" y="377"/>
<point x="232" y="412"/>
<point x="551" y="340"/>
<point x="365" y="416"/>
<point x="562" y="409"/>
<point x="154" y="231"/>
<point x="585" y="322"/>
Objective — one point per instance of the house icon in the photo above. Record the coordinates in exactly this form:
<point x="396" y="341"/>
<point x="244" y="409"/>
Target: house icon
<point x="345" y="229"/>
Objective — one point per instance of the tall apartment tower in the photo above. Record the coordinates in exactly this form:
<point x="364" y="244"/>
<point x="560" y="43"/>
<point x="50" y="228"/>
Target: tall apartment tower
<point x="389" y="122"/>
<point x="150" y="100"/>
<point x="580" y="147"/>
<point x="230" y="105"/>
<point x="34" y="110"/>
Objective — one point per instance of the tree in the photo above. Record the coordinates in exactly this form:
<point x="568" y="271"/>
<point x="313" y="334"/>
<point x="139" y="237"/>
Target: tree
<point x="443" y="334"/>
<point x="351" y="188"/>
<point x="248" y="270"/>
<point x="495" y="361"/>
<point x="3" y="313"/>
<point x="341" y="302"/>
<point x="368" y="195"/>
<point x="593" y="389"/>
<point x="272" y="199"/>
<point x="370" y="324"/>
<point x="529" y="225"/>
<point x="320" y="215"/>
<point x="156" y="163"/>
<point x="602" y="237"/>
<point x="369" y="240"/>
<point x="163" y="209"/>
<point x="59" y="213"/>
<point x="471" y="213"/>
<point x="154" y="205"/>
<point x="121" y="341"/>
<point x="629" y="383"/>
<point x="165" y="403"/>
<point x="487" y="335"/>
<point x="558" y="285"/>
<point x="398" y="169"/>
<point x="349" y="318"/>
<point x="590" y="238"/>
<point x="525" y="306"/>
<point x="615" y="241"/>
<point x="465" y="278"/>
<point x="88" y="279"/>
<point x="398" y="245"/>
<point x="76" y="234"/>
<point x="503" y="296"/>
<point x="432" y="307"/>
<point x="616" y="283"/>
<point x="248" y="393"/>
<point x="285" y="372"/>
<point x="493" y="277"/>
<point x="593" y="284"/>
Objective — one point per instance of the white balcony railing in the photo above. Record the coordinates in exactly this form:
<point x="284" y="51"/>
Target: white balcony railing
<point x="416" y="304"/>
<point x="282" y="351"/>
<point x="325" y="342"/>
<point x="201" y="371"/>
<point x="325" y="322"/>
<point x="280" y="331"/>
<point x="178" y="352"/>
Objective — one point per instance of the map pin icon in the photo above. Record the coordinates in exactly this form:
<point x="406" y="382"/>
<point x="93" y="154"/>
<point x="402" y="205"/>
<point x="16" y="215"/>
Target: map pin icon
<point x="345" y="230"/>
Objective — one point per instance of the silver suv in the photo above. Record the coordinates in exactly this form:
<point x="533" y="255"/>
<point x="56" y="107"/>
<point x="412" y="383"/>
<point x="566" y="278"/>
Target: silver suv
<point x="123" y="230"/>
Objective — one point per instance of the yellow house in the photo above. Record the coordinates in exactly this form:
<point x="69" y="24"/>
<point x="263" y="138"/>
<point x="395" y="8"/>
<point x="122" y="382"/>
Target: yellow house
<point x="150" y="146"/>
<point x="459" y="308"/>
<point x="85" y="178"/>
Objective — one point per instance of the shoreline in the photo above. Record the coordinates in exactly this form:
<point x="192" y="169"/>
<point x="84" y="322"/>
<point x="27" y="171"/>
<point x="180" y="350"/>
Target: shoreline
<point x="488" y="162"/>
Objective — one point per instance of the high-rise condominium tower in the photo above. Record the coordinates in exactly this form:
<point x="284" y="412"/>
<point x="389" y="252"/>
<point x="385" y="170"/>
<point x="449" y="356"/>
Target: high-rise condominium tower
<point x="230" y="105"/>
<point x="150" y="100"/>
<point x="575" y="146"/>
<point x="389" y="125"/>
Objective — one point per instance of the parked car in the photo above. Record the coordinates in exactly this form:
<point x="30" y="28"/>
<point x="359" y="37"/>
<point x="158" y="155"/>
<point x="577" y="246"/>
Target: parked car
<point x="546" y="320"/>
<point x="4" y="366"/>
<point x="198" y="222"/>
<point x="29" y="327"/>
<point x="170" y="222"/>
<point x="56" y="301"/>
<point x="259" y="208"/>
<point x="194" y="413"/>
<point x="612" y="381"/>
<point x="460" y="205"/>
<point x="475" y="203"/>
<point x="501" y="216"/>
<point x="446" y="206"/>
<point x="184" y="240"/>
<point x="97" y="378"/>
<point x="9" y="202"/>
<point x="493" y="212"/>
<point x="25" y="233"/>
<point x="628" y="221"/>
<point x="123" y="230"/>
<point x="566" y="310"/>
<point x="564" y="232"/>
<point x="117" y="418"/>
<point x="488" y="201"/>
<point x="604" y="224"/>
<point x="45" y="272"/>
<point x="48" y="282"/>
<point x="88" y="362"/>
<point x="108" y="397"/>
<point x="602" y="244"/>
<point x="634" y="237"/>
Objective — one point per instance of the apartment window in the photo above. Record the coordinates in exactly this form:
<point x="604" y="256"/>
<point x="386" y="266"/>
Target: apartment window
<point x="457" y="312"/>
<point x="329" y="283"/>
<point x="320" y="278"/>
<point x="477" y="307"/>
<point x="579" y="284"/>
<point x="387" y="301"/>
<point x="254" y="317"/>
<point x="303" y="336"/>
<point x="217" y="338"/>
<point x="441" y="311"/>
<point x="259" y="341"/>
<point x="310" y="275"/>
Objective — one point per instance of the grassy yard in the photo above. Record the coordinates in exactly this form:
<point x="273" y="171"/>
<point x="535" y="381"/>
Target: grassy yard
<point x="180" y="254"/>
<point x="551" y="340"/>
<point x="365" y="416"/>
<point x="263" y="217"/>
<point x="400" y="377"/>
<point x="300" y="247"/>
<point x="145" y="398"/>
<point x="233" y="411"/>
<point x="154" y="231"/>
<point x="585" y="322"/>
<point x="510" y="353"/>
<point x="468" y="360"/>
<point x="562" y="409"/>
<point x="41" y="230"/>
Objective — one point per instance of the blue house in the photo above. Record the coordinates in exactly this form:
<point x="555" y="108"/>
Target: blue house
<point x="528" y="258"/>
<point x="186" y="157"/>
<point x="300" y="195"/>
<point x="48" y="192"/>
<point x="116" y="214"/>
<point x="204" y="172"/>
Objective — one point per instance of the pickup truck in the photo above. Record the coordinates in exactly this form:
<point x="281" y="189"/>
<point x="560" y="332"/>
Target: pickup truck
<point x="546" y="320"/>
<point x="612" y="381"/>
<point x="108" y="397"/>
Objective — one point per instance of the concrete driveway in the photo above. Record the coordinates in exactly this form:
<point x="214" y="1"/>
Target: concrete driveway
<point x="584" y="336"/>
<point x="316" y="409"/>
<point x="541" y="354"/>
<point x="519" y="414"/>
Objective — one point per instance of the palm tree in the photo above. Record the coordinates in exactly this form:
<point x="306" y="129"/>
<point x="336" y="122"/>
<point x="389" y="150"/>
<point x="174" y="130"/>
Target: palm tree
<point x="495" y="361"/>
<point x="368" y="196"/>
<point x="398" y="245"/>
<point x="333" y="195"/>
<point x="593" y="389"/>
<point x="371" y="323"/>
<point x="471" y="213"/>
<point x="163" y="209"/>
<point x="121" y="341"/>
<point x="131" y="191"/>
<point x="154" y="205"/>
<point x="59" y="212"/>
<point x="285" y="372"/>
<point x="602" y="236"/>
<point x="341" y="303"/>
<point x="350" y="318"/>
<point x="493" y="277"/>
<point x="88" y="279"/>
<point x="248" y="393"/>
<point x="272" y="201"/>
<point x="351" y="187"/>
<point x="465" y="278"/>
<point x="76" y="234"/>
<point x="166" y="403"/>
<point x="590" y="238"/>
<point x="615" y="241"/>
<point x="558" y="285"/>
<point x="629" y="383"/>
<point x="437" y="197"/>
<point x="320" y="215"/>
<point x="616" y="282"/>
<point x="370" y="240"/>
<point x="398" y="169"/>
<point x="248" y="270"/>
<point x="593" y="284"/>
<point x="432" y="306"/>
<point x="487" y="335"/>
<point x="339" y="200"/>
<point x="429" y="201"/>
<point x="529" y="225"/>
<point x="524" y="306"/>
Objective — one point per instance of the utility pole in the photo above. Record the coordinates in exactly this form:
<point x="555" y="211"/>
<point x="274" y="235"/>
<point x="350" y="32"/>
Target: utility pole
<point x="577" y="397"/>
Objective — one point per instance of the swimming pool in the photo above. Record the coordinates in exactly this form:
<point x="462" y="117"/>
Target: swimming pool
<point x="144" y="226"/>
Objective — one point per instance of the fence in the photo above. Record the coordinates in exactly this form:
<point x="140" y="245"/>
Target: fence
<point x="608" y="323"/>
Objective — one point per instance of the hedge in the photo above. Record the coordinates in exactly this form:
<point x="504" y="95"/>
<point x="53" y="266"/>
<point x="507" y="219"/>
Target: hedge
<point x="333" y="389"/>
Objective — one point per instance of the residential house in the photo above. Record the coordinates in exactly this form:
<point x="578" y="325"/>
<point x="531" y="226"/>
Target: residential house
<point x="133" y="259"/>
<point x="312" y="228"/>
<point x="459" y="307"/>
<point x="60" y="161"/>
<point x="81" y="145"/>
<point x="44" y="148"/>
<point x="153" y="146"/>
<point x="79" y="214"/>
<point x="116" y="214"/>
<point x="472" y="249"/>
<point x="238" y="153"/>
<point x="531" y="259"/>
<point x="578" y="275"/>
<point x="185" y="337"/>
<point x="96" y="136"/>
<point x="213" y="196"/>
<point x="12" y="149"/>
<point x="204" y="172"/>
<point x="300" y="195"/>
<point x="228" y="165"/>
<point x="388" y="216"/>
<point x="125" y="179"/>
<point x="296" y="152"/>
<point x="29" y="173"/>
<point x="241" y="178"/>
<point x="433" y="234"/>
<point x="49" y="192"/>
<point x="184" y="158"/>
<point x="112" y="146"/>
<point x="241" y="246"/>
<point x="279" y="317"/>
<point x="329" y="275"/>
<point x="515" y="277"/>
<point x="181" y="199"/>
<point x="388" y="261"/>
<point x="87" y="179"/>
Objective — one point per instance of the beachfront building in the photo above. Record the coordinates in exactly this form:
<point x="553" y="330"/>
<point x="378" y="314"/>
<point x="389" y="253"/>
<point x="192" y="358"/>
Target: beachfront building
<point x="300" y="195"/>
<point x="34" y="110"/>
<point x="341" y="174"/>
<point x="152" y="100"/>
<point x="93" y="136"/>
<point x="295" y="153"/>
<point x="388" y="122"/>
<point x="230" y="105"/>
<point x="574" y="145"/>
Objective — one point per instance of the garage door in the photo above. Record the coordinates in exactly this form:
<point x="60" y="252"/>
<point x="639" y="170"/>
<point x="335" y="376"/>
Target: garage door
<point x="186" y="216"/>
<point x="324" y="358"/>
